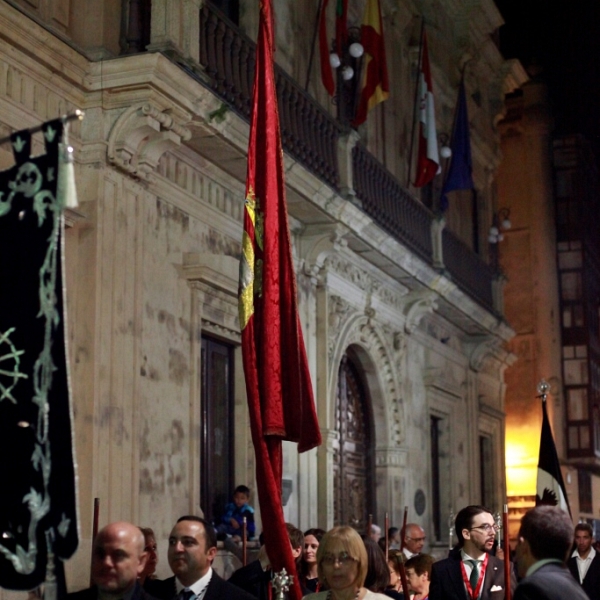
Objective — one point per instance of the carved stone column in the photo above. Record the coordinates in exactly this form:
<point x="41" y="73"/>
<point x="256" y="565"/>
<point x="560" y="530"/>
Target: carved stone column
<point x="346" y="144"/>
<point x="437" y="227"/>
<point x="325" y="455"/>
<point x="176" y="28"/>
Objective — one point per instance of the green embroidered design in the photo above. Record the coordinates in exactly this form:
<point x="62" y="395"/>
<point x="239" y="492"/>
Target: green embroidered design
<point x="12" y="354"/>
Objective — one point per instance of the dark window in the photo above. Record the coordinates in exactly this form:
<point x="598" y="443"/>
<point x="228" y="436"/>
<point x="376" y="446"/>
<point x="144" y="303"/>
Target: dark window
<point x="216" y="451"/>
<point x="585" y="492"/>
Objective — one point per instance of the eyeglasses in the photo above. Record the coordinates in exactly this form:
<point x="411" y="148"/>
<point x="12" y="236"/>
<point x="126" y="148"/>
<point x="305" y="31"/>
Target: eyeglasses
<point x="343" y="558"/>
<point x="487" y="527"/>
<point x="421" y="539"/>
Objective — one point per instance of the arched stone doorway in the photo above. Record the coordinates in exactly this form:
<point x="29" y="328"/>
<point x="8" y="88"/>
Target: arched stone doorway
<point x="353" y="458"/>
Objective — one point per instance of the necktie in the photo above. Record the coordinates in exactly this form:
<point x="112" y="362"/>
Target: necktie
<point x="474" y="578"/>
<point x="185" y="594"/>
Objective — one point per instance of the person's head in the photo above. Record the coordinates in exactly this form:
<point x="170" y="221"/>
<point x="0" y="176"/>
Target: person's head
<point x="297" y="542"/>
<point x="150" y="548"/>
<point x="394" y="535"/>
<point x="241" y="495"/>
<point x="414" y="538"/>
<point x="395" y="560"/>
<point x="312" y="539"/>
<point x="475" y="529"/>
<point x="192" y="548"/>
<point x="378" y="572"/>
<point x="118" y="558"/>
<point x="584" y="538"/>
<point x="546" y="532"/>
<point x="418" y="573"/>
<point x="375" y="532"/>
<point x="342" y="559"/>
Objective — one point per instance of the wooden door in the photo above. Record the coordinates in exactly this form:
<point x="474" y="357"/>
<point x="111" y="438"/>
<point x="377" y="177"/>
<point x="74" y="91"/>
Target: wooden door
<point x="354" y="497"/>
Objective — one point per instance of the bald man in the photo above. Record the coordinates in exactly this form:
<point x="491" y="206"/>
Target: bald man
<point x="118" y="558"/>
<point x="414" y="540"/>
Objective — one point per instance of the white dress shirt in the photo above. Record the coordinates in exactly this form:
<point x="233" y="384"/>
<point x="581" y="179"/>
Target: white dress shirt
<point x="583" y="564"/>
<point x="198" y="587"/>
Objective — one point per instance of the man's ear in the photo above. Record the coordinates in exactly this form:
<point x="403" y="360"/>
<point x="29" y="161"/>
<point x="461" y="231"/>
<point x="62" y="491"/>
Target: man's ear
<point x="211" y="553"/>
<point x="142" y="564"/>
<point x="466" y="534"/>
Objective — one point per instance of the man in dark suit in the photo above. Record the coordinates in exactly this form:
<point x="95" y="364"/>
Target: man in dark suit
<point x="118" y="558"/>
<point x="192" y="549"/>
<point x="470" y="571"/>
<point x="584" y="564"/>
<point x="544" y="542"/>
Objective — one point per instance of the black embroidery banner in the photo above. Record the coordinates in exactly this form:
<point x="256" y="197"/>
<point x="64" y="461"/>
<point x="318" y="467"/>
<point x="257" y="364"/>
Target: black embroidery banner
<point x="37" y="472"/>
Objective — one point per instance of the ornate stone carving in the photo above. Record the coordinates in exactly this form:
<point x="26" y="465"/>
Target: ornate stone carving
<point x="339" y="311"/>
<point x="483" y="348"/>
<point x="319" y="244"/>
<point x="140" y="136"/>
<point x="365" y="333"/>
<point x="364" y="281"/>
<point x="221" y="330"/>
<point x="417" y="305"/>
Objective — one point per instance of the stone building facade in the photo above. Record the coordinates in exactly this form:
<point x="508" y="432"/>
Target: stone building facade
<point x="402" y="314"/>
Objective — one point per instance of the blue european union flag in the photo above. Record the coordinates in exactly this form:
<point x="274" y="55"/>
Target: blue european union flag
<point x="460" y="173"/>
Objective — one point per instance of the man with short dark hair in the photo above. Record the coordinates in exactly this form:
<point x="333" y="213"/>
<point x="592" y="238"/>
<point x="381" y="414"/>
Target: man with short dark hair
<point x="192" y="549"/>
<point x="543" y="544"/>
<point x="584" y="563"/>
<point x="471" y="572"/>
<point x="414" y="540"/>
<point x="256" y="576"/>
<point x="118" y="559"/>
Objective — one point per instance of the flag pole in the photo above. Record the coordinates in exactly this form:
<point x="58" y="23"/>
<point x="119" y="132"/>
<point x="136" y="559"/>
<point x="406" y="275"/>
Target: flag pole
<point x="401" y="563"/>
<point x="312" y="46"/>
<point x="506" y="549"/>
<point x="416" y="97"/>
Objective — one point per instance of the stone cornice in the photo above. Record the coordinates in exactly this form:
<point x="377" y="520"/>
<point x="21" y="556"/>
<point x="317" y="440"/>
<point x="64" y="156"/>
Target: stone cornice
<point x="49" y="55"/>
<point x="140" y="136"/>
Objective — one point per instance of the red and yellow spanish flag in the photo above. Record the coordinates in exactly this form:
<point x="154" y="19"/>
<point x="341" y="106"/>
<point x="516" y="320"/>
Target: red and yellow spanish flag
<point x="376" y="86"/>
<point x="278" y="385"/>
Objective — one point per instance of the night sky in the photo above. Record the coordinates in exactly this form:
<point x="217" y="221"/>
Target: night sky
<point x="563" y="36"/>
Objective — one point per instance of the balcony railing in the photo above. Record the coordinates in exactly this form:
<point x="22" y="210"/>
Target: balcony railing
<point x="468" y="269"/>
<point x="308" y="132"/>
<point x="385" y="199"/>
<point x="311" y="136"/>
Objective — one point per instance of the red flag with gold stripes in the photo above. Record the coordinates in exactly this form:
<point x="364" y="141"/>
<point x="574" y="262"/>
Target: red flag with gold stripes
<point x="278" y="385"/>
<point x="376" y="87"/>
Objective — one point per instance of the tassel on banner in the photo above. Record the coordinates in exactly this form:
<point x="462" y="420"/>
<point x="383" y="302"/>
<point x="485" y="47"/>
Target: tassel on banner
<point x="65" y="189"/>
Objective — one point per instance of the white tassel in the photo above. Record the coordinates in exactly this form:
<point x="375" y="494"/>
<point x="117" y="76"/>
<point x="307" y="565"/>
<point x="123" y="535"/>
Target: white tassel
<point x="65" y="190"/>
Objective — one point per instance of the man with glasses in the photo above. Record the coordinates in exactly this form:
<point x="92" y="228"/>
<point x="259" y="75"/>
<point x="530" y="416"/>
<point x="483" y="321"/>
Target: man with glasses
<point x="414" y="540"/>
<point x="471" y="573"/>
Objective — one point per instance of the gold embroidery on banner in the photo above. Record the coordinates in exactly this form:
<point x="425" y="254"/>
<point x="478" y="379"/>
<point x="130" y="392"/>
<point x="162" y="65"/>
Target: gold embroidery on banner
<point x="250" y="267"/>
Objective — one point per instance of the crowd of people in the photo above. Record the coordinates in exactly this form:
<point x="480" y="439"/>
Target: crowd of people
<point x="340" y="564"/>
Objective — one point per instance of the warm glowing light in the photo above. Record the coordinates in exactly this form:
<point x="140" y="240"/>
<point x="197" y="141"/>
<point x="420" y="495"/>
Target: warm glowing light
<point x="522" y="453"/>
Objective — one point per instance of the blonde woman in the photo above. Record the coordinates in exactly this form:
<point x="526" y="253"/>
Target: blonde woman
<point x="342" y="565"/>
